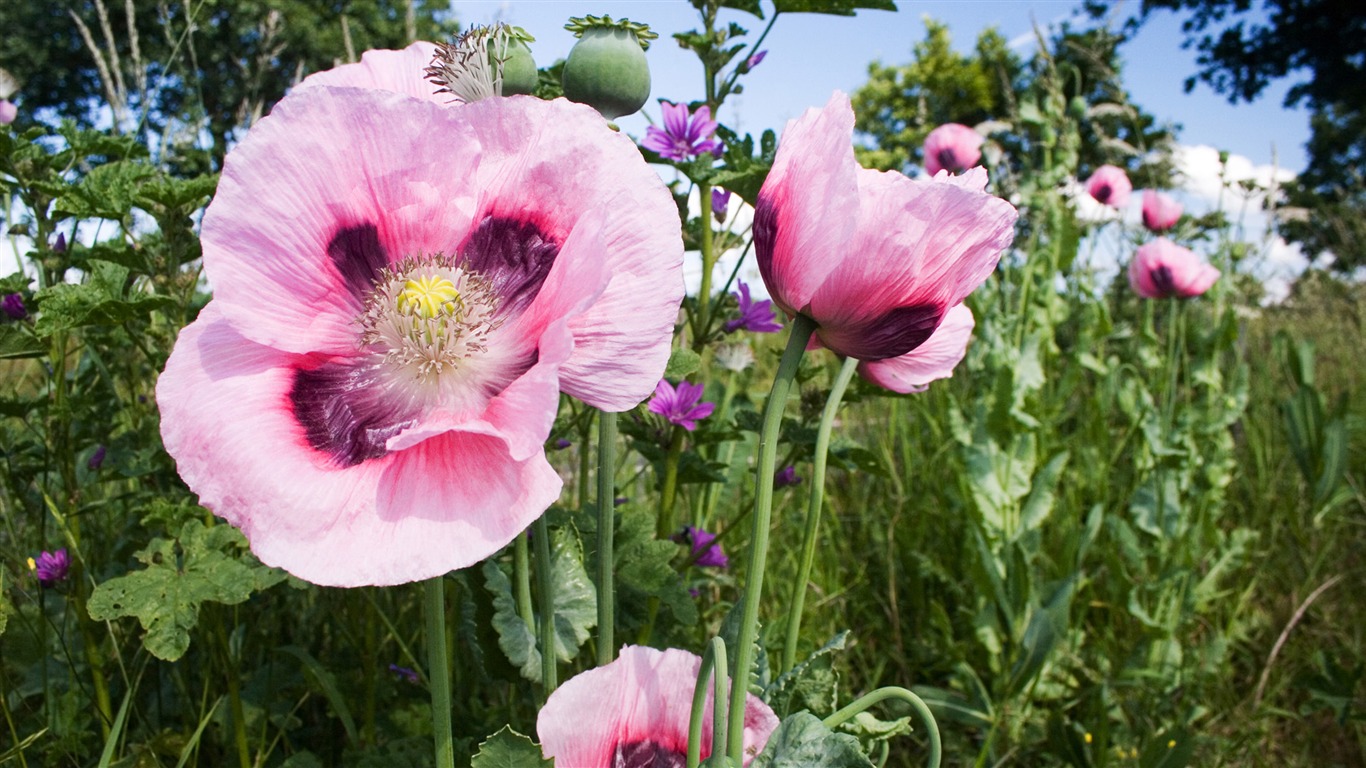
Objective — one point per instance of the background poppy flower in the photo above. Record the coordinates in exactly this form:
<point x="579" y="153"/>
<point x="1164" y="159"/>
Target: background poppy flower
<point x="1110" y="185"/>
<point x="1162" y="269"/>
<point x="952" y="147"/>
<point x="1160" y="212"/>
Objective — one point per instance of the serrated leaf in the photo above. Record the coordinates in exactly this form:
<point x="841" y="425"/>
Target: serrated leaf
<point x="681" y="363"/>
<point x="748" y="6"/>
<point x="100" y="300"/>
<point x="810" y="685"/>
<point x="509" y="749"/>
<point x="832" y="7"/>
<point x="17" y="342"/>
<point x="516" y="639"/>
<point x="181" y="574"/>
<point x="106" y="192"/>
<point x="803" y="741"/>
<point x="730" y="634"/>
<point x="866" y="725"/>
<point x="642" y="564"/>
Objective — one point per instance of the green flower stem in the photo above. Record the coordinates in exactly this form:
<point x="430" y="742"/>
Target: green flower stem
<point x="545" y="581"/>
<point x="607" y="465"/>
<point x="438" y="671"/>
<point x="713" y="658"/>
<point x="664" y="525"/>
<point x="802" y="328"/>
<point x="521" y="573"/>
<point x="708" y="264"/>
<point x="813" y="510"/>
<point x="893" y="692"/>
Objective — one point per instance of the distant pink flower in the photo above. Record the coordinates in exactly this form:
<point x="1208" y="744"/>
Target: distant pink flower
<point x="1109" y="185"/>
<point x="1162" y="269"/>
<point x="1160" y="212"/>
<point x="51" y="567"/>
<point x="680" y="406"/>
<point x="402" y="292"/>
<point x="952" y="147"/>
<point x="755" y="316"/>
<point x="683" y="136"/>
<point x="635" y="712"/>
<point x="876" y="259"/>
<point x="935" y="359"/>
<point x="703" y="542"/>
<point x="8" y="111"/>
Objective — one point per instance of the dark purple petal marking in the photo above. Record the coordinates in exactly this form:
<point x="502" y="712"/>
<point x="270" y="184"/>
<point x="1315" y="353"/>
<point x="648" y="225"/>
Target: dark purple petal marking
<point x="646" y="754"/>
<point x="894" y="333"/>
<point x="1103" y="192"/>
<point x="356" y="253"/>
<point x="1162" y="280"/>
<point x="765" y="230"/>
<point x="515" y="256"/>
<point x="344" y="412"/>
<point x="949" y="159"/>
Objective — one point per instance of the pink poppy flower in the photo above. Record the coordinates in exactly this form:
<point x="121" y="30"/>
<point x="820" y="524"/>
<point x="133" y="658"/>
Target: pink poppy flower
<point x="1109" y="185"/>
<point x="1162" y="269"/>
<point x="952" y="147"/>
<point x="402" y="291"/>
<point x="8" y="112"/>
<point x="635" y="711"/>
<point x="1160" y="212"/>
<point x="876" y="259"/>
<point x="933" y="360"/>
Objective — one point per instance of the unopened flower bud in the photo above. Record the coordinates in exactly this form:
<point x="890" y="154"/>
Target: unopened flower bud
<point x="607" y="69"/>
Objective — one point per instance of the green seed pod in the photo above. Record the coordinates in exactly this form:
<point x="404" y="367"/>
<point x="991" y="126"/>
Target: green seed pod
<point x="1077" y="108"/>
<point x="519" y="68"/>
<point x="606" y="69"/>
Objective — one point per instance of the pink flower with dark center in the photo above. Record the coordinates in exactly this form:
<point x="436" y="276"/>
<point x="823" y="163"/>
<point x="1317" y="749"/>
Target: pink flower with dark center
<point x="680" y="406"/>
<point x="701" y="541"/>
<point x="935" y="359"/>
<point x="402" y="292"/>
<point x="952" y="147"/>
<point x="755" y="316"/>
<point x="1162" y="269"/>
<point x="634" y="713"/>
<point x="1160" y="212"/>
<point x="684" y="136"/>
<point x="875" y="259"/>
<point x="51" y="567"/>
<point x="1110" y="185"/>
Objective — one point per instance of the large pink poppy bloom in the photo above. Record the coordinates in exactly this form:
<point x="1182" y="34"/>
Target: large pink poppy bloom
<point x="1160" y="212"/>
<point x="952" y="147"/>
<point x="635" y="712"/>
<point x="401" y="291"/>
<point x="1110" y="185"/>
<point x="875" y="259"/>
<point x="931" y="361"/>
<point x="1162" y="269"/>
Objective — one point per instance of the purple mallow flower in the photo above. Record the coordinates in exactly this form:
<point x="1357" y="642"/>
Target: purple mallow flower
<point x="786" y="477"/>
<point x="680" y="406"/>
<point x="755" y="60"/>
<point x="756" y="316"/>
<point x="404" y="673"/>
<point x="13" y="305"/>
<point x="96" y="459"/>
<point x="720" y="201"/>
<point x="711" y="555"/>
<point x="683" y="136"/>
<point x="51" y="567"/>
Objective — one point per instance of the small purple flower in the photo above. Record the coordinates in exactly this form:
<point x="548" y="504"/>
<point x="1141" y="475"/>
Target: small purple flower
<point x="711" y="555"/>
<point x="13" y="305"/>
<point x="404" y="673"/>
<point x="683" y="136"/>
<point x="60" y="245"/>
<point x="51" y="567"/>
<point x="786" y="477"/>
<point x="562" y="444"/>
<point x="96" y="459"/>
<point x="756" y="316"/>
<point x="680" y="406"/>
<point x="755" y="60"/>
<point x="618" y="501"/>
<point x="720" y="201"/>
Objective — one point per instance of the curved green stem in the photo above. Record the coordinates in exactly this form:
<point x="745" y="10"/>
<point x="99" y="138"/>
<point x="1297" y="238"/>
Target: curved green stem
<point x="802" y="328"/>
<point x="813" y="510"/>
<point x="545" y="581"/>
<point x="607" y="464"/>
<point x="438" y="671"/>
<point x="714" y="658"/>
<point x="665" y="523"/>
<point x="708" y="264"/>
<point x="893" y="692"/>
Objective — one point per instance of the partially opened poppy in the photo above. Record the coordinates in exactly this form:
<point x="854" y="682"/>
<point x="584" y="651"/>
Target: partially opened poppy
<point x="634" y="713"/>
<point x="402" y="290"/>
<point x="1162" y="269"/>
<point x="1160" y="212"/>
<point x="877" y="260"/>
<point x="933" y="360"/>
<point x="952" y="147"/>
<point x="1110" y="185"/>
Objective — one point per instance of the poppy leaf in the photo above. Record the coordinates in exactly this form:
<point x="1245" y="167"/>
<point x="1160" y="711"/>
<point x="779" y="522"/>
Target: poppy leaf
<point x="509" y="749"/>
<point x="803" y="740"/>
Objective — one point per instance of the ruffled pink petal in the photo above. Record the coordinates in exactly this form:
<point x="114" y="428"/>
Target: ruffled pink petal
<point x="808" y="207"/>
<point x="443" y="503"/>
<point x="332" y="185"/>
<point x="385" y="70"/>
<point x="644" y="697"/>
<point x="920" y="248"/>
<point x="545" y="163"/>
<point x="933" y="360"/>
<point x="1196" y="281"/>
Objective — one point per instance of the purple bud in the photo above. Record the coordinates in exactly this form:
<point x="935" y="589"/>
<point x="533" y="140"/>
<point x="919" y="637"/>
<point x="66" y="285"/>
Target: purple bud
<point x="404" y="673"/>
<point x="96" y="459"/>
<point x="51" y="567"/>
<point x="618" y="501"/>
<point x="786" y="477"/>
<point x="562" y="444"/>
<point x="13" y="305"/>
<point x="720" y="201"/>
<point x="755" y="60"/>
<point x="60" y="245"/>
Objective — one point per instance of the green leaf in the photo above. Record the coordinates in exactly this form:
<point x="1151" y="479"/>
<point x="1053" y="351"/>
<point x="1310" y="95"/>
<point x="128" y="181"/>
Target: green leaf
<point x="642" y="564"/>
<point x="100" y="300"/>
<point x="748" y="6"/>
<point x="832" y="7"/>
<point x="811" y="685"/>
<point x="515" y="637"/>
<point x="509" y="749"/>
<point x="730" y="634"/>
<point x="803" y="741"/>
<point x="200" y="565"/>
<point x="16" y="341"/>
<point x="681" y="363"/>
<point x="106" y="192"/>
<point x="4" y="605"/>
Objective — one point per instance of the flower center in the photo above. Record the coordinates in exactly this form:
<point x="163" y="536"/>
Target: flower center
<point x="429" y="316"/>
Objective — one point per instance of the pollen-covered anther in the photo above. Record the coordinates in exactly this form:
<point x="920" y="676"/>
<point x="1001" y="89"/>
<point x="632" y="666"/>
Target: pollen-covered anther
<point x="429" y="316"/>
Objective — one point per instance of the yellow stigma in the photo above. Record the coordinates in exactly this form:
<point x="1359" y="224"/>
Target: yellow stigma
<point x="32" y="566"/>
<point x="427" y="296"/>
<point x="1087" y="737"/>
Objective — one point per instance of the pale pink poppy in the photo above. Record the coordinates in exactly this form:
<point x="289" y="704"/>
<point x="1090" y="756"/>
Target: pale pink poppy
<point x="401" y="291"/>
<point x="933" y="360"/>
<point x="1160" y="212"/>
<point x="952" y="147"/>
<point x="8" y="112"/>
<point x="1110" y="185"/>
<point x="875" y="259"/>
<point x="635" y="711"/>
<point x="1162" y="269"/>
